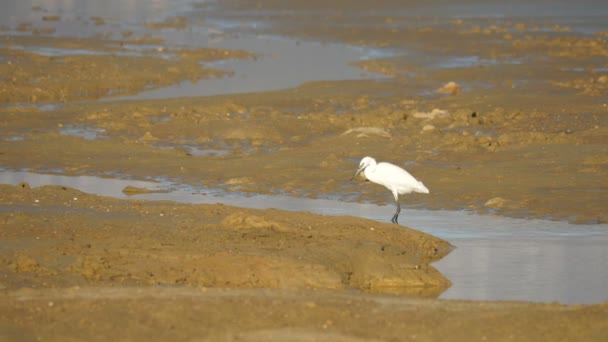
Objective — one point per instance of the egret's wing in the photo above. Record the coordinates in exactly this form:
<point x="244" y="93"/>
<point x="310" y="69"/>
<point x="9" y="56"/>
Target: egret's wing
<point x="394" y="177"/>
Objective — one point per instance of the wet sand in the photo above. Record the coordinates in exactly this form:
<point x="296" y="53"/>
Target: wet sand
<point x="83" y="266"/>
<point x="522" y="132"/>
<point x="276" y="315"/>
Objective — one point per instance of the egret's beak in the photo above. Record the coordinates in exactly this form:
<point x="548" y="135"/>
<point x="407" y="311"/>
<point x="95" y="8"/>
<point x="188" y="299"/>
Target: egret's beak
<point x="357" y="173"/>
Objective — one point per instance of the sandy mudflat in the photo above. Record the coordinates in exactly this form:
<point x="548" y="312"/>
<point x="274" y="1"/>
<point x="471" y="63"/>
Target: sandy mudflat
<point x="81" y="266"/>
<point x="522" y="132"/>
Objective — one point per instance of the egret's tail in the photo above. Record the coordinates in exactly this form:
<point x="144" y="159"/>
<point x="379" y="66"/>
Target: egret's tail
<point x="422" y="189"/>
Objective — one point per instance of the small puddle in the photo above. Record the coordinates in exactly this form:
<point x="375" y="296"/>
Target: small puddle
<point x="463" y="62"/>
<point x="14" y="138"/>
<point x="44" y="107"/>
<point x="131" y="51"/>
<point x="435" y="62"/>
<point x="81" y="131"/>
<point x="196" y="150"/>
<point x="496" y="258"/>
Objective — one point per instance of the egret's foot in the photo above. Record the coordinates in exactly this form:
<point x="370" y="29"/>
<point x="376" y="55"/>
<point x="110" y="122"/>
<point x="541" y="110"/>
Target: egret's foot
<point x="394" y="219"/>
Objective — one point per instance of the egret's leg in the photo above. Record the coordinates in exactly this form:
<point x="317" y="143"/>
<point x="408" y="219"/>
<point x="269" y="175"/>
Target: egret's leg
<point x="394" y="219"/>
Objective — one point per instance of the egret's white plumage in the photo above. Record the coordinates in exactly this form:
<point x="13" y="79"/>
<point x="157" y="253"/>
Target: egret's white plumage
<point x="394" y="178"/>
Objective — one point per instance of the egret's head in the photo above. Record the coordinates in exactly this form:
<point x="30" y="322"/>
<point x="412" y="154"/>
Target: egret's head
<point x="365" y="162"/>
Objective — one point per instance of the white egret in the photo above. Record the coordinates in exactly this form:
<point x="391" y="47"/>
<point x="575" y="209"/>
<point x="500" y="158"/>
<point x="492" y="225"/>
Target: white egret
<point x="394" y="178"/>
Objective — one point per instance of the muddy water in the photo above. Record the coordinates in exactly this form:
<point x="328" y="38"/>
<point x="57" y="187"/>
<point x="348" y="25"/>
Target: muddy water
<point x="496" y="258"/>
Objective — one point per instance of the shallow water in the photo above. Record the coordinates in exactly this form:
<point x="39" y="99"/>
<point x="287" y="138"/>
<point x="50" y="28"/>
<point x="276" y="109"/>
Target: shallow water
<point x="280" y="63"/>
<point x="496" y="258"/>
